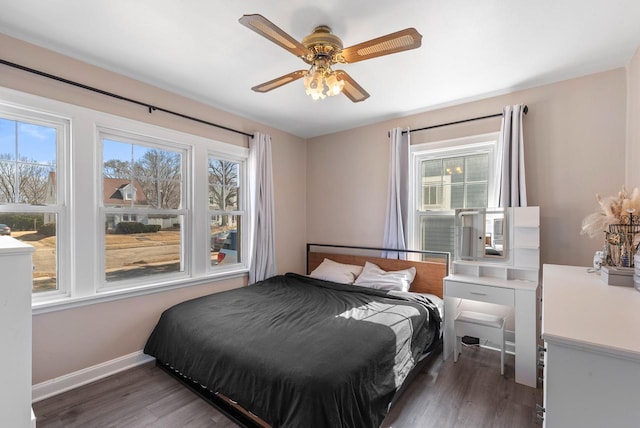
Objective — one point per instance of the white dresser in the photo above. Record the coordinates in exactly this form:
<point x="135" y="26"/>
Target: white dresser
<point x="591" y="333"/>
<point x="15" y="333"/>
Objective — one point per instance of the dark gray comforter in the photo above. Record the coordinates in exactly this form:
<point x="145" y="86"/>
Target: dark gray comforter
<point x="299" y="352"/>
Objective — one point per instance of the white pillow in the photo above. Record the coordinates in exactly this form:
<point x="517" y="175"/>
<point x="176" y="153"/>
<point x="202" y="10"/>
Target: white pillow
<point x="336" y="272"/>
<point x="373" y="276"/>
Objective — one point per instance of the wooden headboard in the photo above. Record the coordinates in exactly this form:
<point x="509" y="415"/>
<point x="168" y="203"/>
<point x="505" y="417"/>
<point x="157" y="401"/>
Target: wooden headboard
<point x="429" y="274"/>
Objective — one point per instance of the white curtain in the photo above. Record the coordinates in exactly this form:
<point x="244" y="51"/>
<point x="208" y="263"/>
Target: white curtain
<point x="513" y="192"/>
<point x="398" y="192"/>
<point x="263" y="254"/>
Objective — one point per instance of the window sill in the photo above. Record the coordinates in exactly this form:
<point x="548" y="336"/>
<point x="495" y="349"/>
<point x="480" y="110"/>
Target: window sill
<point x="65" y="302"/>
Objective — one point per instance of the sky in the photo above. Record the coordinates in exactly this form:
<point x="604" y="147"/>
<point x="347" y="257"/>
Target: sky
<point x="35" y="142"/>
<point x="121" y="151"/>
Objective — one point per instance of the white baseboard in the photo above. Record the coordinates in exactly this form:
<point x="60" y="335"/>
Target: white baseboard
<point x="73" y="380"/>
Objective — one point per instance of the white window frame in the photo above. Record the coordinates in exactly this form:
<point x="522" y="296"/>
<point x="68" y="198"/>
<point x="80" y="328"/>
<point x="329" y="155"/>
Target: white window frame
<point x="484" y="143"/>
<point x="80" y="219"/>
<point x="243" y="211"/>
<point x="184" y="210"/>
<point x="62" y="124"/>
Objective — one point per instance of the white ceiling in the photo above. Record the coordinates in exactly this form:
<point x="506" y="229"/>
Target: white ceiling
<point x="470" y="49"/>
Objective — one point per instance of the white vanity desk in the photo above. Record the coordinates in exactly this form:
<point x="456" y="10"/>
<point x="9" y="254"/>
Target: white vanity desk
<point x="520" y="295"/>
<point x="511" y="281"/>
<point x="592" y="358"/>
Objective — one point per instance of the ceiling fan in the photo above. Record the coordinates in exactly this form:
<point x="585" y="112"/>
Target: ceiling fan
<point x="321" y="50"/>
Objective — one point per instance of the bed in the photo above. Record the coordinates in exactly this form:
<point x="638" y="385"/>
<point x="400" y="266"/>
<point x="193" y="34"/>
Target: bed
<point x="295" y="351"/>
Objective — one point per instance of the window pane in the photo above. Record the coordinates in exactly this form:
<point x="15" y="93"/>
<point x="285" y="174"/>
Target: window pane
<point x="116" y="159"/>
<point x="36" y="185"/>
<point x="457" y="196"/>
<point x="36" y="143"/>
<point x="224" y="185"/>
<point x="44" y="258"/>
<point x="225" y="239"/>
<point x="454" y="167"/>
<point x="477" y="167"/>
<point x="432" y="168"/>
<point x="140" y="176"/>
<point x="7" y="182"/>
<point x="476" y="195"/>
<point x="142" y="245"/>
<point x="437" y="232"/>
<point x="464" y="182"/>
<point x="160" y="193"/>
<point x="38" y="230"/>
<point x="159" y="172"/>
<point x="28" y="178"/>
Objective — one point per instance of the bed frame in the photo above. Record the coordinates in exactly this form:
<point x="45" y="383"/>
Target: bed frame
<point x="431" y="268"/>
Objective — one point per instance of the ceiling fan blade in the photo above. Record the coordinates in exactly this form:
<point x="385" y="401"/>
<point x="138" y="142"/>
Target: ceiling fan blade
<point x="351" y="89"/>
<point x="268" y="29"/>
<point x="279" y="81"/>
<point x="402" y="40"/>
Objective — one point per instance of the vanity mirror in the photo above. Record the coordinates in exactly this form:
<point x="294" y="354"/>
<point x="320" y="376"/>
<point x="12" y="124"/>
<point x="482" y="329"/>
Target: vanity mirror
<point x="480" y="233"/>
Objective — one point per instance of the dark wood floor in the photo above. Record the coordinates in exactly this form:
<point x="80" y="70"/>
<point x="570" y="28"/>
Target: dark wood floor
<point x="470" y="393"/>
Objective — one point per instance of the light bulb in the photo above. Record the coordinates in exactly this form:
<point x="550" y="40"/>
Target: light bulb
<point x="317" y="95"/>
<point x="307" y="83"/>
<point x="335" y="86"/>
<point x="318" y="79"/>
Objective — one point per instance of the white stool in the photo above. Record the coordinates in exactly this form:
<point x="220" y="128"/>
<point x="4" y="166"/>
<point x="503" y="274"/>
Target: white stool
<point x="485" y="326"/>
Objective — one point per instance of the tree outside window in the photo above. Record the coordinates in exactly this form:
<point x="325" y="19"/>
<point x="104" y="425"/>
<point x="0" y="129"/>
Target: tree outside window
<point x="28" y="197"/>
<point x="225" y="208"/>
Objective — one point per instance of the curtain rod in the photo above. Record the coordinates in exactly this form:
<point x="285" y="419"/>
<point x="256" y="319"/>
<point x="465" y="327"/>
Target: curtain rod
<point x="525" y="110"/>
<point x="151" y="108"/>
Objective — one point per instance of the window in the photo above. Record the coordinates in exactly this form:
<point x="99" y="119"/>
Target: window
<point x="32" y="192"/>
<point x="117" y="207"/>
<point x="143" y="189"/>
<point x="227" y="217"/>
<point x="445" y="176"/>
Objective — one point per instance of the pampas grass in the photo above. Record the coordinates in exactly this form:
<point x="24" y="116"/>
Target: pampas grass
<point x="614" y="210"/>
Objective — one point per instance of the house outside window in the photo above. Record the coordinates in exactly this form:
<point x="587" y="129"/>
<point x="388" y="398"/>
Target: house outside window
<point x="143" y="188"/>
<point x="32" y="147"/>
<point x="444" y="176"/>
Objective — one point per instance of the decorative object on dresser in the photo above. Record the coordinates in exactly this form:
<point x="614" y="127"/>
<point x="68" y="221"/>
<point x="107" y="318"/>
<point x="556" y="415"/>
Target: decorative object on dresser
<point x="619" y="221"/>
<point x="509" y="279"/>
<point x="591" y="351"/>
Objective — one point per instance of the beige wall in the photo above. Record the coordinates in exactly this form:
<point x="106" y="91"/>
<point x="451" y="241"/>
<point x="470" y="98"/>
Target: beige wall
<point x="574" y="145"/>
<point x="74" y="339"/>
<point x="633" y="121"/>
<point x="333" y="189"/>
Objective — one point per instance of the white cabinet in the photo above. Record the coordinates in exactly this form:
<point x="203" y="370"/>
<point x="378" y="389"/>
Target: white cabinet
<point x="592" y="358"/>
<point x="15" y="333"/>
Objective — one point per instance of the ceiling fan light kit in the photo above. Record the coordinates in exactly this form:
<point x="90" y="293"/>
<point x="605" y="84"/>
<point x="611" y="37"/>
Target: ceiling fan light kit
<point x="321" y="50"/>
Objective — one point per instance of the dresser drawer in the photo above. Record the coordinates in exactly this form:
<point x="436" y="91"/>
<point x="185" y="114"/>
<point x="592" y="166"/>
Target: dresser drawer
<point x="481" y="293"/>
